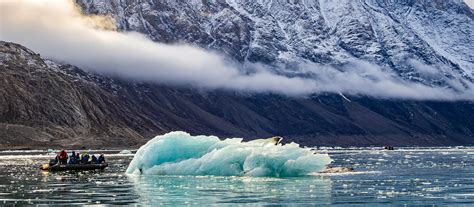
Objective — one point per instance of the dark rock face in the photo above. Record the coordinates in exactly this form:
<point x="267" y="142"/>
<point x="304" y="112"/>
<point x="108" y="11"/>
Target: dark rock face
<point x="46" y="104"/>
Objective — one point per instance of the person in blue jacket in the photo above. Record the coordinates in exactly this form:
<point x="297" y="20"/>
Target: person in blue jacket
<point x="72" y="158"/>
<point x="85" y="158"/>
<point x="101" y="159"/>
<point x="94" y="159"/>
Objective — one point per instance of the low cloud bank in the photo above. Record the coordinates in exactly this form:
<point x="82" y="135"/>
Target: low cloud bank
<point x="57" y="30"/>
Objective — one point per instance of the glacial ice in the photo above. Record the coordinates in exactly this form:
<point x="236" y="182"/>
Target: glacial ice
<point x="179" y="153"/>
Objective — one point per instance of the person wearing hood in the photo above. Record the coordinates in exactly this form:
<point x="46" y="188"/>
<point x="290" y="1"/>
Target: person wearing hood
<point x="73" y="158"/>
<point x="94" y="159"/>
<point x="101" y="159"/>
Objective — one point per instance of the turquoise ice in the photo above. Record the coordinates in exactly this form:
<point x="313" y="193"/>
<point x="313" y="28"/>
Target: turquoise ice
<point x="179" y="153"/>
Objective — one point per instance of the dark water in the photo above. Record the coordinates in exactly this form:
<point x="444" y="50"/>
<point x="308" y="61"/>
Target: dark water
<point x="408" y="176"/>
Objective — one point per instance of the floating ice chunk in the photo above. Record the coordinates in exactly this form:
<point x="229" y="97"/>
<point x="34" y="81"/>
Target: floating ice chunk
<point x="179" y="153"/>
<point x="125" y="152"/>
<point x="52" y="152"/>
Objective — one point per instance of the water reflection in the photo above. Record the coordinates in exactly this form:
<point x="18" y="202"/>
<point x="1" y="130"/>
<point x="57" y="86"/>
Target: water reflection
<point x="22" y="183"/>
<point x="200" y="190"/>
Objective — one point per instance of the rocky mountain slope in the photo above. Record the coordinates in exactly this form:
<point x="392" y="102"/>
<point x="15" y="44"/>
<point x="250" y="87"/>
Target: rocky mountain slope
<point x="402" y="36"/>
<point x="47" y="104"/>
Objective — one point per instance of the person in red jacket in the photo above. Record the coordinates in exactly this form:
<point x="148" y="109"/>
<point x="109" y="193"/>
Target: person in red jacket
<point x="63" y="157"/>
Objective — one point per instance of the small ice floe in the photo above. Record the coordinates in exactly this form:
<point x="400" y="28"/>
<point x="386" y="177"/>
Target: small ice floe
<point x="340" y="171"/>
<point x="124" y="152"/>
<point x="337" y="170"/>
<point x="179" y="153"/>
<point x="52" y="152"/>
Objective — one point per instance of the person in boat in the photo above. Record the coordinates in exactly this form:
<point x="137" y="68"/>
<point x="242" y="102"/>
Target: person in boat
<point x="62" y="157"/>
<point x="101" y="159"/>
<point x="94" y="159"/>
<point x="85" y="158"/>
<point x="72" y="158"/>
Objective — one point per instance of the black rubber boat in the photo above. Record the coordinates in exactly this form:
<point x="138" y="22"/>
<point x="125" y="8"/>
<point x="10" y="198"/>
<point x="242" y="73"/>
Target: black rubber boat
<point x="74" y="167"/>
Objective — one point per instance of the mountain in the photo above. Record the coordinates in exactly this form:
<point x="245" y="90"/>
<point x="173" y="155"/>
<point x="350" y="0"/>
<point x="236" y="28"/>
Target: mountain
<point x="402" y="36"/>
<point x="44" y="104"/>
<point x="47" y="103"/>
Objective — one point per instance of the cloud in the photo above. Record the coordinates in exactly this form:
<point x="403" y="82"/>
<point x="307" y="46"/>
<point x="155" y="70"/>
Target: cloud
<point x="57" y="30"/>
<point x="470" y="3"/>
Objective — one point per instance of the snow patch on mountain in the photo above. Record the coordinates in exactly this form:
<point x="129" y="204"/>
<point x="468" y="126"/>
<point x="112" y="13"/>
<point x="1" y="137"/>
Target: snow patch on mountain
<point x="277" y="32"/>
<point x="294" y="48"/>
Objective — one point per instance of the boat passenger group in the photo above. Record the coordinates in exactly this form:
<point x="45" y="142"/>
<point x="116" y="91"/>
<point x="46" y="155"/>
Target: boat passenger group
<point x="76" y="158"/>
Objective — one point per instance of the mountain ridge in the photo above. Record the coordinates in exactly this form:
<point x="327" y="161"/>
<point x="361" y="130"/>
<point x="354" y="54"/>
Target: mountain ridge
<point x="47" y="104"/>
<point x="402" y="36"/>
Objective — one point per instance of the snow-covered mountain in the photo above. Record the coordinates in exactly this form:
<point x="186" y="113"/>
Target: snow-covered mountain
<point x="51" y="103"/>
<point x="426" y="41"/>
<point x="46" y="103"/>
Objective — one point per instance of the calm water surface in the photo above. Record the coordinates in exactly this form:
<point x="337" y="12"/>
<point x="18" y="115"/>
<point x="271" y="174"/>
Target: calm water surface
<point x="442" y="176"/>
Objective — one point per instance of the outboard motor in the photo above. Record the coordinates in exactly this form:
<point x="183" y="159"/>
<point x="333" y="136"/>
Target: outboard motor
<point x="53" y="162"/>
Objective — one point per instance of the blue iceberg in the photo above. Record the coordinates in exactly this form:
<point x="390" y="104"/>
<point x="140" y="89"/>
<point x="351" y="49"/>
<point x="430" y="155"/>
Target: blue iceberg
<point x="179" y="153"/>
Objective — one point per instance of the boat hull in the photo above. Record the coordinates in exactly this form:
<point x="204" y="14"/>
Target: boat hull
<point x="75" y="167"/>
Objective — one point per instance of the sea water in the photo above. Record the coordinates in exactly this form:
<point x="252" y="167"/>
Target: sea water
<point x="412" y="176"/>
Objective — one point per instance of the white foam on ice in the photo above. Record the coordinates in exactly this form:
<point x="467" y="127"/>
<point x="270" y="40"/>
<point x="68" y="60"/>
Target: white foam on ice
<point x="179" y="153"/>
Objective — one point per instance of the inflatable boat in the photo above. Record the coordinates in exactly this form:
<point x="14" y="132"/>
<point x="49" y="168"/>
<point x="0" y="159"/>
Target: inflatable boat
<point x="74" y="167"/>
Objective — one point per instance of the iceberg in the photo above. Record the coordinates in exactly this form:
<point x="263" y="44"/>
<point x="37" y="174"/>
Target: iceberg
<point x="179" y="153"/>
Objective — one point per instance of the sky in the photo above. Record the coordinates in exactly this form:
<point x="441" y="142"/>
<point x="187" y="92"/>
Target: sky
<point x="61" y="32"/>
